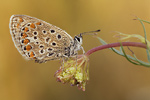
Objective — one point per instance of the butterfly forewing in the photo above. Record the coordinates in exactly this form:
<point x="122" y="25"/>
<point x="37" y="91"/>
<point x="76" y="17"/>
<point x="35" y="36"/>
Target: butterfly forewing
<point x="37" y="39"/>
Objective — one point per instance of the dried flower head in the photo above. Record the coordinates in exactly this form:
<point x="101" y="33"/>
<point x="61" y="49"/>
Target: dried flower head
<point x="74" y="71"/>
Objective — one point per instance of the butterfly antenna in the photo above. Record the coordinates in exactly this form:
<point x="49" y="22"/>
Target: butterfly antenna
<point x="90" y="33"/>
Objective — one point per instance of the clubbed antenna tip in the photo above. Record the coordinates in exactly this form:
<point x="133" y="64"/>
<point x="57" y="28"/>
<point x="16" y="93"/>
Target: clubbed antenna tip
<point x="98" y="30"/>
<point x="90" y="32"/>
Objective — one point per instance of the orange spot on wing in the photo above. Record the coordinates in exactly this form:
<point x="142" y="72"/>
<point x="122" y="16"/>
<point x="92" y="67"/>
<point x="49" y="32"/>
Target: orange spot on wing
<point x="20" y="20"/>
<point x="26" y="29"/>
<point x="26" y="41"/>
<point x="17" y="25"/>
<point x="24" y="35"/>
<point x="32" y="25"/>
<point x="28" y="47"/>
<point x="31" y="55"/>
<point x="38" y="23"/>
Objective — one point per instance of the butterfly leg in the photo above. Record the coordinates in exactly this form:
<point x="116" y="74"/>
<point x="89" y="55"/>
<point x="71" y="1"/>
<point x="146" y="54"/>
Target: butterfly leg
<point x="76" y="61"/>
<point x="83" y="50"/>
<point x="62" y="64"/>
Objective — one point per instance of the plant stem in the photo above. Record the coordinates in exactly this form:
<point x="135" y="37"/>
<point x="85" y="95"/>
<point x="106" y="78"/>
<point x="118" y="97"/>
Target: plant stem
<point x="118" y="44"/>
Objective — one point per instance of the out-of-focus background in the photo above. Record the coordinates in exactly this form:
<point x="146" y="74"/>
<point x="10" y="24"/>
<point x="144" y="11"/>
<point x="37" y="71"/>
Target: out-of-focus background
<point x="112" y="77"/>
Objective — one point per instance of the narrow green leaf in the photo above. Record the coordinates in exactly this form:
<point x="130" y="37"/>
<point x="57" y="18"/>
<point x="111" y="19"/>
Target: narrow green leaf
<point x="102" y="41"/>
<point x="127" y="56"/>
<point x="115" y="50"/>
<point x="120" y="52"/>
<point x="145" y="21"/>
<point x="141" y="63"/>
<point x="143" y="28"/>
<point x="148" y="56"/>
<point x="148" y="49"/>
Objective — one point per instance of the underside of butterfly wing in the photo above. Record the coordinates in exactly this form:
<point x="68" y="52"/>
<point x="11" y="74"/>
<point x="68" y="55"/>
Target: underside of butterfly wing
<point x="37" y="39"/>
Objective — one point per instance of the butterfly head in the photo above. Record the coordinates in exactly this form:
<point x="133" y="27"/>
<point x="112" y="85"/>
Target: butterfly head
<point x="77" y="43"/>
<point x="78" y="40"/>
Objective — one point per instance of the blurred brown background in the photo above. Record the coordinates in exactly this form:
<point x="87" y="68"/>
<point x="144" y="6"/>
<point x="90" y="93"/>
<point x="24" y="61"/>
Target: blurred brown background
<point x="112" y="77"/>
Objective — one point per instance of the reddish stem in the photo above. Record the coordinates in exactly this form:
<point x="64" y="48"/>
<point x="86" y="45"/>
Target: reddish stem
<point x="134" y="44"/>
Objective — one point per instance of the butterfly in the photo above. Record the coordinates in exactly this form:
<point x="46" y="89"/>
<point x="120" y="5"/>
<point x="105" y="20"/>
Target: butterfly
<point x="41" y="41"/>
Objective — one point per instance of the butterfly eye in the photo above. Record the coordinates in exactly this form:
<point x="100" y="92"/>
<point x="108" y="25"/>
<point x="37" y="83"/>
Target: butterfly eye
<point x="77" y="38"/>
